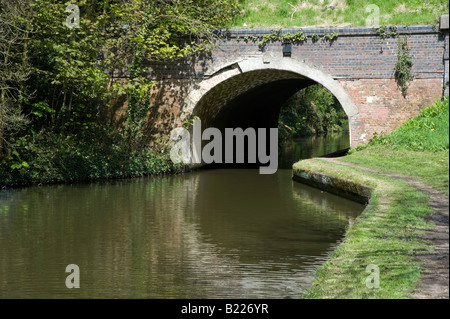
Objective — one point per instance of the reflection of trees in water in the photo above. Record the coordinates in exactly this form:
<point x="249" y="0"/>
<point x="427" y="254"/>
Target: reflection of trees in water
<point x="130" y="239"/>
<point x="194" y="235"/>
<point x="188" y="266"/>
<point x="331" y="208"/>
<point x="268" y="223"/>
<point x="296" y="149"/>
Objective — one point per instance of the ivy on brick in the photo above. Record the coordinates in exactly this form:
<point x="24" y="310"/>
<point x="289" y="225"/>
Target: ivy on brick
<point x="403" y="66"/>
<point x="295" y="38"/>
<point x="383" y="33"/>
<point x="331" y="36"/>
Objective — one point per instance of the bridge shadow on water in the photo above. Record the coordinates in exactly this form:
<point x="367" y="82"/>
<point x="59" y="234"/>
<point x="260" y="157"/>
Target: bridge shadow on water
<point x="293" y="150"/>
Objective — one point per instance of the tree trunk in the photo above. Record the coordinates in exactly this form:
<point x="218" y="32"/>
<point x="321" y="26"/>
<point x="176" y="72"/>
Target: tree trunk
<point x="3" y="100"/>
<point x="24" y="66"/>
<point x="70" y="106"/>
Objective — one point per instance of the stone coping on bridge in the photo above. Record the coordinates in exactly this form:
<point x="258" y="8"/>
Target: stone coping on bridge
<point x="341" y="31"/>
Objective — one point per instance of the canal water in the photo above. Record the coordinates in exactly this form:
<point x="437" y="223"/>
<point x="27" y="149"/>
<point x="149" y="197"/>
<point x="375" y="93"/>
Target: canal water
<point x="213" y="233"/>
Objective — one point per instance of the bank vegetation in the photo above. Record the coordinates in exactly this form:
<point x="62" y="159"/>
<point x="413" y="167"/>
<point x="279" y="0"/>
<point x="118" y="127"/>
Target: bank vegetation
<point x="390" y="232"/>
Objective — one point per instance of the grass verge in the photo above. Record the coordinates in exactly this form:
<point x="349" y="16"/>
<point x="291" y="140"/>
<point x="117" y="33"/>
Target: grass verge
<point x="419" y="148"/>
<point x="425" y="166"/>
<point x="387" y="234"/>
<point x="390" y="231"/>
<point x="319" y="13"/>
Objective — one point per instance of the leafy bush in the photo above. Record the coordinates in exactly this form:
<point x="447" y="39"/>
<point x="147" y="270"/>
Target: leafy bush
<point x="98" y="153"/>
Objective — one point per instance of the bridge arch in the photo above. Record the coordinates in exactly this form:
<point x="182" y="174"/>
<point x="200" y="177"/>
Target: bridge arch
<point x="250" y="92"/>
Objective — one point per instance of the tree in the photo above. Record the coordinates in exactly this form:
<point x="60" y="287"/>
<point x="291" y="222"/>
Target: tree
<point x="74" y="65"/>
<point x="14" y="65"/>
<point x="312" y="110"/>
<point x="60" y="77"/>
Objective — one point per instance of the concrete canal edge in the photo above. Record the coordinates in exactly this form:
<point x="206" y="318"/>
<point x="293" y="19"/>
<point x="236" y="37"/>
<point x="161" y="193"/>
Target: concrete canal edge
<point x="336" y="185"/>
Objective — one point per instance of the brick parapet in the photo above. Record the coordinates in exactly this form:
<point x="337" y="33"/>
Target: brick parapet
<point x="359" y="59"/>
<point x="357" y="53"/>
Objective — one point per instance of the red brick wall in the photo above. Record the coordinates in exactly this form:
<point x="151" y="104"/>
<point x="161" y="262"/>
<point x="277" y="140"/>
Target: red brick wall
<point x="362" y="62"/>
<point x="382" y="107"/>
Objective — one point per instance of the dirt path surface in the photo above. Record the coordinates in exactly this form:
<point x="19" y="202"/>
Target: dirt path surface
<point x="434" y="282"/>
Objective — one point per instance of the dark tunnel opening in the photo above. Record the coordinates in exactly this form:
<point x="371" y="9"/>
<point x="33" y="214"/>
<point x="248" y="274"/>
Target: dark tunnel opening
<point x="249" y="101"/>
<point x="258" y="107"/>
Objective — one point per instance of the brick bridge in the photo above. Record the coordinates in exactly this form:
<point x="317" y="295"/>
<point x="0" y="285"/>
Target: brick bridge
<point x="241" y="85"/>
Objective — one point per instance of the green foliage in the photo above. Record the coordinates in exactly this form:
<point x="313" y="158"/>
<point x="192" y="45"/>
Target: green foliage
<point x="331" y="36"/>
<point x="41" y="108"/>
<point x="313" y="110"/>
<point x="14" y="68"/>
<point x="94" y="154"/>
<point x="428" y="131"/>
<point x="383" y="32"/>
<point x="403" y="66"/>
<point x="315" y="37"/>
<point x="69" y="63"/>
<point x="188" y="123"/>
<point x="294" y="38"/>
<point x="275" y="36"/>
<point x="71" y="74"/>
<point x="297" y="37"/>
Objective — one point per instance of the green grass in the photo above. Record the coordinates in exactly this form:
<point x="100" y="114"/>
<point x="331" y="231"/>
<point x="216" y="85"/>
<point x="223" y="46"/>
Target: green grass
<point x="388" y="233"/>
<point x="427" y="132"/>
<point x="278" y="13"/>
<point x="426" y="166"/>
<point x="418" y="148"/>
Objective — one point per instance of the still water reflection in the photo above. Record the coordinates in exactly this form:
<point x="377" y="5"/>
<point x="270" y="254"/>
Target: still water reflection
<point x="208" y="234"/>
